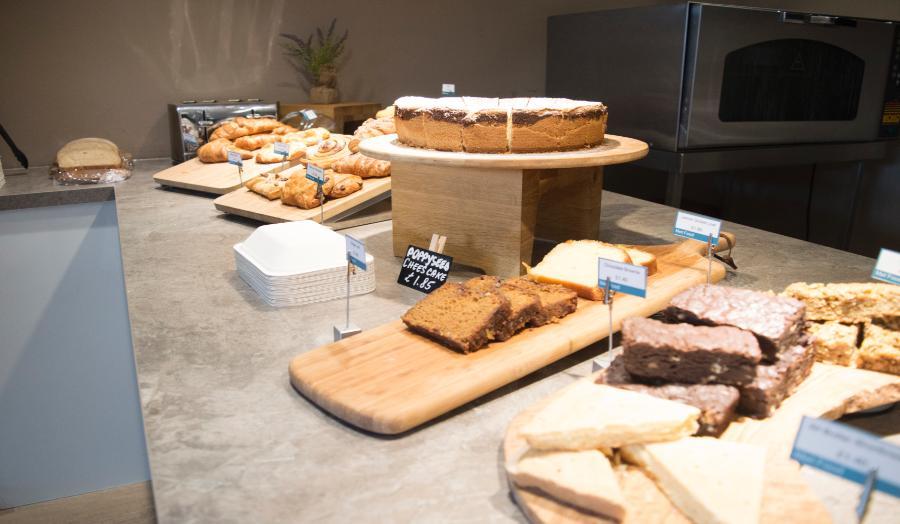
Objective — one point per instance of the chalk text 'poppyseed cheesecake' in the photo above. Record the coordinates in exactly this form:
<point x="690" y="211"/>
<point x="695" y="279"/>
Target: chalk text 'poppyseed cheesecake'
<point x="499" y="125"/>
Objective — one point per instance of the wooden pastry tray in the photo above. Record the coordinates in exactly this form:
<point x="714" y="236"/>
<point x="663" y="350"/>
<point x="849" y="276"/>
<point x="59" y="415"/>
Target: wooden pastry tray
<point x="246" y="203"/>
<point x="218" y="178"/>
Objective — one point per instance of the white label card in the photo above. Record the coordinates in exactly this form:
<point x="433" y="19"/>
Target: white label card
<point x="887" y="267"/>
<point x="309" y="114"/>
<point x="315" y="173"/>
<point x="282" y="149"/>
<point x="234" y="158"/>
<point x="626" y="278"/>
<point x="697" y="227"/>
<point x="448" y="89"/>
<point x="356" y="252"/>
<point x="848" y="452"/>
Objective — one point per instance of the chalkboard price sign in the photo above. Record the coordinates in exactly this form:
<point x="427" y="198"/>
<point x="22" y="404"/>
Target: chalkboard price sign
<point x="424" y="270"/>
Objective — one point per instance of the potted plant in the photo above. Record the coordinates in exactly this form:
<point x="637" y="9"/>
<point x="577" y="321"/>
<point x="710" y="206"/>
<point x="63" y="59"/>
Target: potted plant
<point x="318" y="61"/>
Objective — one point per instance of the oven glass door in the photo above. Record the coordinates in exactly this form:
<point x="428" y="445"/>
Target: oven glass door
<point x="763" y="77"/>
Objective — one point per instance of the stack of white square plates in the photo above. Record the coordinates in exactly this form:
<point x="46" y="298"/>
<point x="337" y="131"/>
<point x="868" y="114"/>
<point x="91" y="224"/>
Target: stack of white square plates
<point x="301" y="262"/>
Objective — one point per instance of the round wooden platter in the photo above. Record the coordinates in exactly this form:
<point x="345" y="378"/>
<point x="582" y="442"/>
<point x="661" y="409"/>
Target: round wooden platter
<point x="829" y="392"/>
<point x="614" y="150"/>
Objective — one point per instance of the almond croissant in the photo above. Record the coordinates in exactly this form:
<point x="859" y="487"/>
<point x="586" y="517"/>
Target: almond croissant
<point x="363" y="166"/>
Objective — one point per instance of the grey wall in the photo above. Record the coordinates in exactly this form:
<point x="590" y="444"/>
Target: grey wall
<point x="70" y="416"/>
<point x="108" y="68"/>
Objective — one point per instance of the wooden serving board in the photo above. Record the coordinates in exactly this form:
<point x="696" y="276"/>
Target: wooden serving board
<point x="614" y="150"/>
<point x="246" y="203"/>
<point x="389" y="380"/>
<point x="829" y="392"/>
<point x="218" y="178"/>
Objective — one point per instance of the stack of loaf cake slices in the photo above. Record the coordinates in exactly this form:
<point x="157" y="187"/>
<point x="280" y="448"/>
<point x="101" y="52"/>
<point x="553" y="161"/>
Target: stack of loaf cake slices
<point x="467" y="316"/>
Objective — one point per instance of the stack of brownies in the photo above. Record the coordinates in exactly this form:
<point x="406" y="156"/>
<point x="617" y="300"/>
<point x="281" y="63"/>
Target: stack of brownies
<point x="723" y="350"/>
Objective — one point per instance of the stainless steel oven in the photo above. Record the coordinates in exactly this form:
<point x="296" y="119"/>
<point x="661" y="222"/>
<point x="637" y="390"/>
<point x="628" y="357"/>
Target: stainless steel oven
<point x="697" y="75"/>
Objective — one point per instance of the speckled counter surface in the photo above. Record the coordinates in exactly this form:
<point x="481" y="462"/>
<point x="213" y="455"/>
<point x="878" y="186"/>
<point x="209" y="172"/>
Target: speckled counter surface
<point x="231" y="441"/>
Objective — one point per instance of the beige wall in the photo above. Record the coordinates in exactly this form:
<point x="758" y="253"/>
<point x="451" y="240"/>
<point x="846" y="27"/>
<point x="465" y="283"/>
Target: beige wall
<point x="108" y="68"/>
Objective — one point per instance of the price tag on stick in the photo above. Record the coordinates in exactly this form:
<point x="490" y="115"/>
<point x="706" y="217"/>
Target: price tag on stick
<point x="448" y="89"/>
<point x="234" y="158"/>
<point x="284" y="150"/>
<point x="613" y="276"/>
<point x="887" y="267"/>
<point x="356" y="256"/>
<point x="425" y="269"/>
<point x="702" y="228"/>
<point x="851" y="453"/>
<point x="317" y="175"/>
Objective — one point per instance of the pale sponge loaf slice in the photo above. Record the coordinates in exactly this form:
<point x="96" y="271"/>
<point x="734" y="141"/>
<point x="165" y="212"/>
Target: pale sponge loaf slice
<point x="594" y="416"/>
<point x="710" y="480"/>
<point x="574" y="264"/>
<point x="584" y="479"/>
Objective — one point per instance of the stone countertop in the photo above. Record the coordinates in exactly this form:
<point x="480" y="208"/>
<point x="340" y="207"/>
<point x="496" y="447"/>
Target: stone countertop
<point x="230" y="440"/>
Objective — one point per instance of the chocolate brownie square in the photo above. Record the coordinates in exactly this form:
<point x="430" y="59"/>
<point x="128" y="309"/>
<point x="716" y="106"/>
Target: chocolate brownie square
<point x="776" y="321"/>
<point x="689" y="354"/>
<point x="775" y="382"/>
<point x="717" y="403"/>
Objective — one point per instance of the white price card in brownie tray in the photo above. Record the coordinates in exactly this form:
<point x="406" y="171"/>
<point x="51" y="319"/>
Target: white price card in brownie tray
<point x="848" y="452"/>
<point x="697" y="227"/>
<point x="887" y="267"/>
<point x="625" y="278"/>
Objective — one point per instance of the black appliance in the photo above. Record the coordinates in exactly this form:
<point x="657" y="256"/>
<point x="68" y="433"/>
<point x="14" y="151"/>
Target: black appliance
<point x="191" y="122"/>
<point x="713" y="87"/>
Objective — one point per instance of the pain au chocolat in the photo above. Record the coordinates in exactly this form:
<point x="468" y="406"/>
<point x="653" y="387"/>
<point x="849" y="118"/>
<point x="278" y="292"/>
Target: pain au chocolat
<point x="499" y="125"/>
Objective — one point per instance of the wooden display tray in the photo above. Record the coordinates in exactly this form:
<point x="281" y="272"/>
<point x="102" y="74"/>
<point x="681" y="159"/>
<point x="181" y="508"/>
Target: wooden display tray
<point x="218" y="178"/>
<point x="389" y="380"/>
<point x="492" y="206"/>
<point x="829" y="392"/>
<point x="246" y="203"/>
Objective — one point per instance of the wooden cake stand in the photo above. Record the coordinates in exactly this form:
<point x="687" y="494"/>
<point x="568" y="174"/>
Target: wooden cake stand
<point x="492" y="206"/>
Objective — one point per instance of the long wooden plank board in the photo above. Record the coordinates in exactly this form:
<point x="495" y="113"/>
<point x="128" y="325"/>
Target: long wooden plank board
<point x="389" y="380"/>
<point x="246" y="203"/>
<point x="829" y="392"/>
<point x="218" y="178"/>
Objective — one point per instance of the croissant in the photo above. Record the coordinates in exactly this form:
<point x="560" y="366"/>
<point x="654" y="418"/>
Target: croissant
<point x="254" y="142"/>
<point x="230" y="130"/>
<point x="242" y="126"/>
<point x="363" y="166"/>
<point x="301" y="192"/>
<point x="387" y="112"/>
<point x="258" y="125"/>
<point x="217" y="151"/>
<point x="343" y="185"/>
<point x="267" y="154"/>
<point x="371" y="128"/>
<point x="284" y="129"/>
<point x="309" y="137"/>
<point x="328" y="151"/>
<point x="269" y="186"/>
